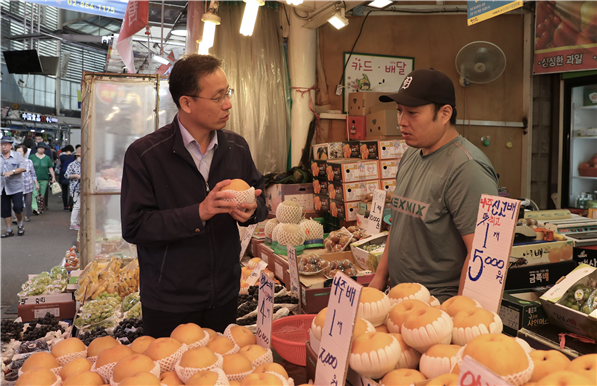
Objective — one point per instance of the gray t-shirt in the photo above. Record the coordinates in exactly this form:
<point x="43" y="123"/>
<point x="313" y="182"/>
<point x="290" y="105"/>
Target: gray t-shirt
<point x="435" y="203"/>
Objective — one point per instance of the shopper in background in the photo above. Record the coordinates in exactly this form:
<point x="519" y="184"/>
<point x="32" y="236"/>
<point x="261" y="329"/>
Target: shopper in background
<point x="12" y="166"/>
<point x="44" y="169"/>
<point x="29" y="179"/>
<point x="439" y="184"/>
<point x="73" y="175"/>
<point x="39" y="141"/>
<point x="173" y="207"/>
<point x="65" y="159"/>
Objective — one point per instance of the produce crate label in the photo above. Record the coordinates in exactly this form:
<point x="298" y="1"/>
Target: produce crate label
<point x="254" y="276"/>
<point x="264" y="257"/>
<point x="388" y="169"/>
<point x="491" y="250"/>
<point x="474" y="373"/>
<point x="265" y="309"/>
<point x="376" y="215"/>
<point x="336" y="340"/>
<point x="41" y="312"/>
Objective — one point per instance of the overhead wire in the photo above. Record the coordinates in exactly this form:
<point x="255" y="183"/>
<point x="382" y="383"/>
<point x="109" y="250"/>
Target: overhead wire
<point x="354" y="45"/>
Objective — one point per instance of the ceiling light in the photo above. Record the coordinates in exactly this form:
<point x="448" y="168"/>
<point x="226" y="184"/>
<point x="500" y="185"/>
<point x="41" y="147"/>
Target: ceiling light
<point x="203" y="49"/>
<point x="210" y="21"/>
<point x="380" y="3"/>
<point x="180" y="30"/>
<point x="248" y="24"/>
<point x="294" y="2"/>
<point x="338" y="20"/>
<point x="160" y="59"/>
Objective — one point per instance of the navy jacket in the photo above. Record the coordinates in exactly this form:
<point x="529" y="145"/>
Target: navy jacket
<point x="185" y="266"/>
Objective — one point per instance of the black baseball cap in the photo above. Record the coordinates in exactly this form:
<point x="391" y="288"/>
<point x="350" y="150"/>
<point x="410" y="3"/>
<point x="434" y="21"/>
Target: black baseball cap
<point x="423" y="87"/>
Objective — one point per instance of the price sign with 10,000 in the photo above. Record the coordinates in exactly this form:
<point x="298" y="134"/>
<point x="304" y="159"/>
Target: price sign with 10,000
<point x="336" y="336"/>
<point x="265" y="309"/>
<point x="295" y="283"/>
<point x="376" y="214"/>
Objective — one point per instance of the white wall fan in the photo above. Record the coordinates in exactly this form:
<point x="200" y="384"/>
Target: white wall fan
<point x="480" y="62"/>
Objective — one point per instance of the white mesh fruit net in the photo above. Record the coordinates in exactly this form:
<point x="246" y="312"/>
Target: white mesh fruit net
<point x="228" y="334"/>
<point x="517" y="379"/>
<point x="275" y="232"/>
<point x="242" y="197"/>
<point x="269" y="227"/>
<point x="199" y="343"/>
<point x="56" y="371"/>
<point x="268" y="357"/>
<point x="285" y="382"/>
<point x="239" y="376"/>
<point x="155" y="371"/>
<point x="167" y="364"/>
<point x="291" y="235"/>
<point x="71" y="357"/>
<point x="185" y="373"/>
<point x="289" y="214"/>
<point x="105" y="371"/>
<point x="92" y="359"/>
<point x="312" y="229"/>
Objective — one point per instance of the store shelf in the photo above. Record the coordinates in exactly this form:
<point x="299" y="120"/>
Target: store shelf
<point x="584" y="178"/>
<point x="332" y="116"/>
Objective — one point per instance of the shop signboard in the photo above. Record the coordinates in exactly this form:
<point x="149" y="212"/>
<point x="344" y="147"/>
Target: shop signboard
<point x="491" y="249"/>
<point x="265" y="311"/>
<point x="565" y="36"/>
<point x="368" y="72"/>
<point x="113" y="9"/>
<point x="478" y="11"/>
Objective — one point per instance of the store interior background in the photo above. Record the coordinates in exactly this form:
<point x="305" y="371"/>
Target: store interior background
<point x="528" y="169"/>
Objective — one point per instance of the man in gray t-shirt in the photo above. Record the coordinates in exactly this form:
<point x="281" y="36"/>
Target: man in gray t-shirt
<point x="438" y="187"/>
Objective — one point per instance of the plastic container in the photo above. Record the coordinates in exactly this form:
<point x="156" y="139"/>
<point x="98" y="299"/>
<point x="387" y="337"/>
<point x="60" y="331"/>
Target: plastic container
<point x="289" y="336"/>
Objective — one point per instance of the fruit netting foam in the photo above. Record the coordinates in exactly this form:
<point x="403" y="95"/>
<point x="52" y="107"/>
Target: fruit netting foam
<point x="71" y="357"/>
<point x="289" y="214"/>
<point x="290" y="238"/>
<point x="199" y="343"/>
<point x="56" y="371"/>
<point x="105" y="371"/>
<point x="239" y="376"/>
<point x="167" y="364"/>
<point x="184" y="373"/>
<point x="375" y="364"/>
<point x="312" y="229"/>
<point x="462" y="336"/>
<point x="155" y="371"/>
<point x="242" y="197"/>
<point x="268" y="357"/>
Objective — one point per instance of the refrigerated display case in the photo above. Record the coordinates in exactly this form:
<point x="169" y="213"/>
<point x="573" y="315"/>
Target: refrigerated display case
<point x="579" y="145"/>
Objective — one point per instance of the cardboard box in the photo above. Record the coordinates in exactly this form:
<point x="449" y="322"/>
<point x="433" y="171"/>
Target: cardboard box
<point x="321" y="202"/>
<point x="253" y="246"/>
<point x="392" y="148"/>
<point x="352" y="191"/>
<point x="388" y="185"/>
<point x="537" y="275"/>
<point x="311" y="362"/>
<point x="336" y="150"/>
<point x="585" y="255"/>
<point x="383" y="122"/>
<point x="266" y="254"/>
<point x="540" y="253"/>
<point x="62" y="305"/>
<point x="567" y="318"/>
<point x="301" y="193"/>
<point x="360" y="103"/>
<point x="320" y="186"/>
<point x="521" y="309"/>
<point x="388" y="169"/>
<point x="383" y="106"/>
<point x="344" y="210"/>
<point x="361" y="255"/>
<point x="356" y="127"/>
<point x="318" y="168"/>
<point x="281" y="269"/>
<point x="352" y="171"/>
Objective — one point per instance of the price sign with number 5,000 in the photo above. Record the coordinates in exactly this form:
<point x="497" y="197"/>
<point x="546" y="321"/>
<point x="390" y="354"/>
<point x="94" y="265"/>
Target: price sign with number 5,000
<point x="265" y="309"/>
<point x="376" y="214"/>
<point x="336" y="336"/>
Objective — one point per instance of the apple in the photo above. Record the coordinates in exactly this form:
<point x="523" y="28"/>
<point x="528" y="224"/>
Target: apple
<point x="593" y="160"/>
<point x="584" y="165"/>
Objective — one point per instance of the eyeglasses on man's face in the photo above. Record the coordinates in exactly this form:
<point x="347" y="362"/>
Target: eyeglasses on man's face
<point x="227" y="94"/>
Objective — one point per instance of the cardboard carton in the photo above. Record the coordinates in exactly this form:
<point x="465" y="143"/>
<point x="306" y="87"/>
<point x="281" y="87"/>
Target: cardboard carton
<point x="585" y="255"/>
<point x="301" y="193"/>
<point x="318" y="168"/>
<point x="541" y="253"/>
<point x="383" y="122"/>
<point x="388" y="169"/>
<point x="537" y="275"/>
<point x="356" y="127"/>
<point x="360" y="103"/>
<point x="352" y="171"/>
<point x="344" y="210"/>
<point x="352" y="191"/>
<point x="388" y="185"/>
<point x="321" y="203"/>
<point x="320" y="186"/>
<point x="360" y="255"/>
<point x="62" y="306"/>
<point x="521" y="309"/>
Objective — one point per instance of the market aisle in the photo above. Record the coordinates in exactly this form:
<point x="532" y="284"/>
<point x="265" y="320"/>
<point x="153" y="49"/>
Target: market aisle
<point x="46" y="239"/>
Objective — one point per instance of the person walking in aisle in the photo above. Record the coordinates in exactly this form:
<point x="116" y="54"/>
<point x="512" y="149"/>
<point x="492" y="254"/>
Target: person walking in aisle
<point x="29" y="179"/>
<point x="73" y="174"/>
<point x="44" y="169"/>
<point x="66" y="158"/>
<point x="12" y="166"/>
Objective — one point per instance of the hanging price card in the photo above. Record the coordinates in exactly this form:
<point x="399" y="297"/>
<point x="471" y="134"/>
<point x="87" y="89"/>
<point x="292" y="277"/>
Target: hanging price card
<point x="254" y="276"/>
<point x="265" y="309"/>
<point x="472" y="373"/>
<point x="376" y="215"/>
<point x="490" y="253"/>
<point x="295" y="282"/>
<point x="244" y="243"/>
<point x="336" y="337"/>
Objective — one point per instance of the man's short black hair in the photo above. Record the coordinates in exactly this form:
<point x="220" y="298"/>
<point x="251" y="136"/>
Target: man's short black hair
<point x="78" y="146"/>
<point x="69" y="148"/>
<point x="39" y="135"/>
<point x="438" y="106"/>
<point x="187" y="72"/>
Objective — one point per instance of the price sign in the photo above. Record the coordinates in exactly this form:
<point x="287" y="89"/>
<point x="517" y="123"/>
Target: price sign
<point x="265" y="309"/>
<point x="295" y="282"/>
<point x="244" y="243"/>
<point x="336" y="337"/>
<point x="355" y="379"/>
<point x="490" y="253"/>
<point x="472" y="373"/>
<point x="376" y="215"/>
<point x="254" y="276"/>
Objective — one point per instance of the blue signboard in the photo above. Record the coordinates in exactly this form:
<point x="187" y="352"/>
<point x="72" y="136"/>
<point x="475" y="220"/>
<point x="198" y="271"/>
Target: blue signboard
<point x="479" y="11"/>
<point x="114" y="9"/>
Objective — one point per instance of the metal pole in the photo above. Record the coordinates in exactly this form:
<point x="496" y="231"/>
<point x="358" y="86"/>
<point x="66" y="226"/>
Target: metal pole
<point x="194" y="26"/>
<point x="162" y="32"/>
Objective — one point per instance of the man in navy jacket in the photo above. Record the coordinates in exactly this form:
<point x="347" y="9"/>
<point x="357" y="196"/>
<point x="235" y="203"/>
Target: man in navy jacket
<point x="173" y="207"/>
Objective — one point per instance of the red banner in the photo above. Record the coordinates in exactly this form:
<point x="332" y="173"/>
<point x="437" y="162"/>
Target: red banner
<point x="565" y="36"/>
<point x="135" y="19"/>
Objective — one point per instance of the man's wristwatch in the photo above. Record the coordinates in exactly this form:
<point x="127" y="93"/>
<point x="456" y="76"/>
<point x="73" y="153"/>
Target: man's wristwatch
<point x="14" y="171"/>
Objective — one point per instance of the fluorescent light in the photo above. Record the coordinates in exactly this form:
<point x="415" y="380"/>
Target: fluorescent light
<point x="209" y="28"/>
<point x="179" y="31"/>
<point x="248" y="24"/>
<point x="338" y="20"/>
<point x="160" y="59"/>
<point x="294" y="2"/>
<point x="203" y="49"/>
<point x="43" y="131"/>
<point x="380" y="3"/>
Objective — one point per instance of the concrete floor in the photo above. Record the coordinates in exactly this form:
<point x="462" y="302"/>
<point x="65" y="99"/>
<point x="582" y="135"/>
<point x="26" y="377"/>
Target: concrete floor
<point x="46" y="239"/>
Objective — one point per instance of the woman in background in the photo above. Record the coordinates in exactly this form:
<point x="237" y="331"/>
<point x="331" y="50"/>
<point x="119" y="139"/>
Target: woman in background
<point x="65" y="159"/>
<point x="29" y="179"/>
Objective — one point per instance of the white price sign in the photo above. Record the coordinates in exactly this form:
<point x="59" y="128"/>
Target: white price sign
<point x="246" y="239"/>
<point x="336" y="337"/>
<point x="265" y="309"/>
<point x="254" y="276"/>
<point x="295" y="282"/>
<point x="472" y="373"/>
<point x="376" y="214"/>
<point x="490" y="253"/>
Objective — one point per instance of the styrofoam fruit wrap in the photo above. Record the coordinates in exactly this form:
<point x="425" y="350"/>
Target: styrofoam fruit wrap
<point x="56" y="371"/>
<point x="241" y="196"/>
<point x="433" y="302"/>
<point x="289" y="238"/>
<point x="517" y="379"/>
<point x="222" y="378"/>
<point x="461" y="336"/>
<point x="375" y="364"/>
<point x="269" y="227"/>
<point x="167" y="364"/>
<point x="525" y="345"/>
<point x="432" y="367"/>
<point x="409" y="359"/>
<point x="228" y="334"/>
<point x="439" y="331"/>
<point x="238" y="376"/>
<point x="375" y="312"/>
<point x="422" y="295"/>
<point x="316" y="330"/>
<point x="200" y="343"/>
<point x="268" y="357"/>
<point x="312" y="229"/>
<point x="275" y="232"/>
<point x="71" y="357"/>
<point x="155" y="371"/>
<point x="289" y="214"/>
<point x="93" y="359"/>
<point x="105" y="371"/>
<point x="285" y="382"/>
<point x="184" y="373"/>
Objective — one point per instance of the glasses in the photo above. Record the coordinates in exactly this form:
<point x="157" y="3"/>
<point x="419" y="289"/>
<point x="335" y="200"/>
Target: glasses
<point x="228" y="94"/>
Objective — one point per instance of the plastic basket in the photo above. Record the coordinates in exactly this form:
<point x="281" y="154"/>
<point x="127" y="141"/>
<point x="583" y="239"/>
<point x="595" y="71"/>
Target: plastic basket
<point x="289" y="336"/>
